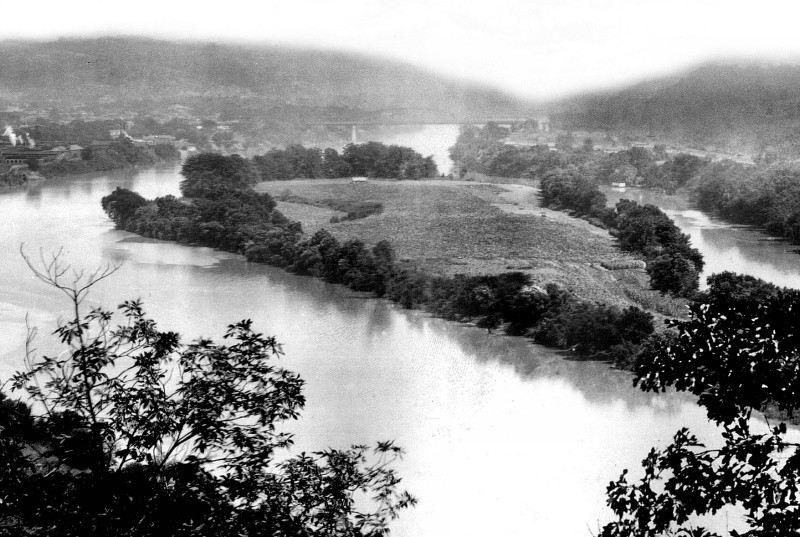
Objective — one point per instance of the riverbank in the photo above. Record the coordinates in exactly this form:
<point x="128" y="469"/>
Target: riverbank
<point x="465" y="227"/>
<point x="223" y="211"/>
<point x="725" y="246"/>
<point x="19" y="177"/>
<point x="82" y="169"/>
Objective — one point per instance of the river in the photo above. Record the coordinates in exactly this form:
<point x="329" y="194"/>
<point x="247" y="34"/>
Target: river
<point x="503" y="437"/>
<point x="724" y="246"/>
<point x="428" y="140"/>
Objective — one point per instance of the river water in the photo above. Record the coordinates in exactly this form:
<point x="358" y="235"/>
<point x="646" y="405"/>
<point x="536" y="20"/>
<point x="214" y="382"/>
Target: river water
<point x="503" y="437"/>
<point x="428" y="140"/>
<point x="724" y="246"/>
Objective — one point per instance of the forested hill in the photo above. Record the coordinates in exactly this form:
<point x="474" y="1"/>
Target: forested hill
<point x="143" y="72"/>
<point x="746" y="106"/>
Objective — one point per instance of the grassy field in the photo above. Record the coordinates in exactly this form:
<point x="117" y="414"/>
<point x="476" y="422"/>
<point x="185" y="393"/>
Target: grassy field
<point x="449" y="227"/>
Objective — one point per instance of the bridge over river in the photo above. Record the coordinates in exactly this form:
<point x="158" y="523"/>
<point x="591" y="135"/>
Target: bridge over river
<point x="501" y="121"/>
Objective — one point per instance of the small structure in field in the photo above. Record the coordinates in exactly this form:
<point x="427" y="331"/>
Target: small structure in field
<point x="623" y="264"/>
<point x="360" y="179"/>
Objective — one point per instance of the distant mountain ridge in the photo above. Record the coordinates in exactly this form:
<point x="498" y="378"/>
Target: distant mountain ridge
<point x="141" y="72"/>
<point x="750" y="106"/>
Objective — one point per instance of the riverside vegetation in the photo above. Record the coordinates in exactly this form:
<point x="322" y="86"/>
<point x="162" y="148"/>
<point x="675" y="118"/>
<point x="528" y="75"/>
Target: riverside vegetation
<point x="765" y="194"/>
<point x="221" y="210"/>
<point x="120" y="154"/>
<point x="569" y="181"/>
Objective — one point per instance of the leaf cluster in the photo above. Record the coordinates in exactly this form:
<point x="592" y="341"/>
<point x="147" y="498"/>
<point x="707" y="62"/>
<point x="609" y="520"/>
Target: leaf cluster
<point x="738" y="352"/>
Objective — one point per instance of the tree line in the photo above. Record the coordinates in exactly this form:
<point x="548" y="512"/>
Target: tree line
<point x="482" y="150"/>
<point x="119" y="154"/>
<point x="673" y="265"/>
<point x="569" y="181"/>
<point x="371" y="159"/>
<point x="766" y="195"/>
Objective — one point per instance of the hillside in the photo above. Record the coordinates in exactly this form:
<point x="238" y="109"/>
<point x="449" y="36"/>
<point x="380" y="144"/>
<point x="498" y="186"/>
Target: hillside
<point x="118" y="75"/>
<point x="750" y="107"/>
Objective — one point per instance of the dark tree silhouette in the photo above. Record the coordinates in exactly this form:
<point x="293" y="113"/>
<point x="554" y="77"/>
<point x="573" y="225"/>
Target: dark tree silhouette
<point x="738" y="352"/>
<point x="132" y="432"/>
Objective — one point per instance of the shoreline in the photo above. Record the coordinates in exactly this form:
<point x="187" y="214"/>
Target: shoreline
<point x="499" y="294"/>
<point x="43" y="178"/>
<point x="498" y="334"/>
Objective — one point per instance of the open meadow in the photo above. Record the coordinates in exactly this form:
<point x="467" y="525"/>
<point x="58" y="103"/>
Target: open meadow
<point x="450" y="227"/>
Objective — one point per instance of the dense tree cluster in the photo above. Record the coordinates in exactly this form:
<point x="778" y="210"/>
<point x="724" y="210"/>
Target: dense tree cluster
<point x="568" y="189"/>
<point x="240" y="220"/>
<point x="767" y="196"/>
<point x="372" y="159"/>
<point x="672" y="264"/>
<point x="738" y="352"/>
<point x="132" y="432"/>
<point x="120" y="154"/>
<point x="12" y="177"/>
<point x="482" y="150"/>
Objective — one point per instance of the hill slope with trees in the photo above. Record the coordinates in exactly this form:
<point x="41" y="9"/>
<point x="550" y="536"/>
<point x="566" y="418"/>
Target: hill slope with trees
<point x="145" y="72"/>
<point x="750" y="107"/>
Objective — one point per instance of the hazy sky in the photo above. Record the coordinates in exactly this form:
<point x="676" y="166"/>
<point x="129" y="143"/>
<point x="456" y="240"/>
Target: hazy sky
<point x="536" y="48"/>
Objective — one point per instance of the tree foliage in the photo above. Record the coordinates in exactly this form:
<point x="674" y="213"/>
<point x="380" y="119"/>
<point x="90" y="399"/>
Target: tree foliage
<point x="672" y="264"/>
<point x="229" y="172"/>
<point x="766" y="195"/>
<point x="132" y="432"/>
<point x="371" y="159"/>
<point x="738" y="352"/>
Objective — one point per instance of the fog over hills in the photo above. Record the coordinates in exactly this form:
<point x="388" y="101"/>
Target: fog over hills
<point x="744" y="105"/>
<point x="748" y="106"/>
<point x="142" y="73"/>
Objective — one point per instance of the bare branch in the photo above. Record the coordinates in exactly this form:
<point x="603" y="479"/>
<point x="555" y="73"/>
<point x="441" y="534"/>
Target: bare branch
<point x="51" y="270"/>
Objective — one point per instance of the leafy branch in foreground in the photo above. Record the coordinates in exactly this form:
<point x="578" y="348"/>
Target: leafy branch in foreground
<point x="132" y="432"/>
<point x="738" y="352"/>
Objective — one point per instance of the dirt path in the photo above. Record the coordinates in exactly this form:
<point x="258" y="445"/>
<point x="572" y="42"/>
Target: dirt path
<point x="524" y="200"/>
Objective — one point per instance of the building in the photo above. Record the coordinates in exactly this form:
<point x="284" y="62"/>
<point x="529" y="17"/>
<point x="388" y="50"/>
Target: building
<point x="24" y="155"/>
<point x="158" y="139"/>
